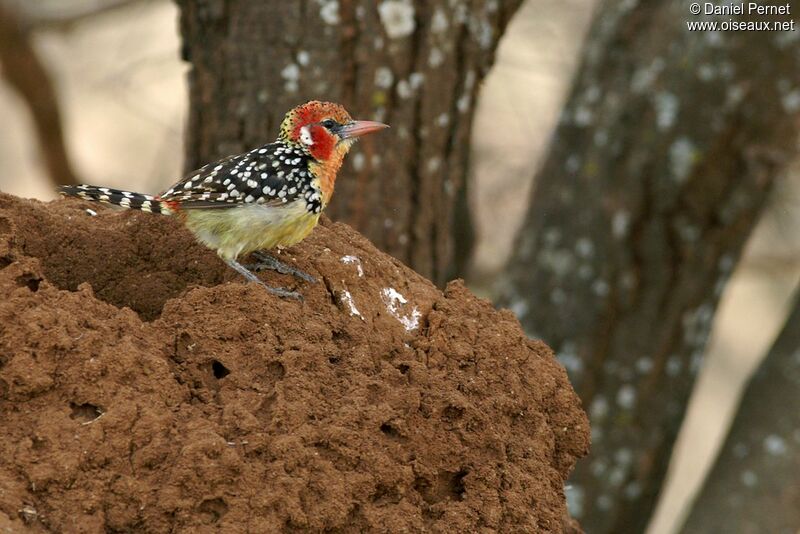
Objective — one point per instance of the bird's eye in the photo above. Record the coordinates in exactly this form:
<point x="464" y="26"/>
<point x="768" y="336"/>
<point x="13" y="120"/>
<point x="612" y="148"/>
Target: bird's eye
<point x="329" y="123"/>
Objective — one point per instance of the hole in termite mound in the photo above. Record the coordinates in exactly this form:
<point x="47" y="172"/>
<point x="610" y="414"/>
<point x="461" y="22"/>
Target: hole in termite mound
<point x="219" y="370"/>
<point x="84" y="413"/>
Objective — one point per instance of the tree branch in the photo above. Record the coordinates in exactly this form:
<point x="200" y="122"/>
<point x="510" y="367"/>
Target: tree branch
<point x="25" y="73"/>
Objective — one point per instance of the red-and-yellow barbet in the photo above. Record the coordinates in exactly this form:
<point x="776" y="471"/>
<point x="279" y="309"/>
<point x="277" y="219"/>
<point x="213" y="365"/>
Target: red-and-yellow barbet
<point x="271" y="196"/>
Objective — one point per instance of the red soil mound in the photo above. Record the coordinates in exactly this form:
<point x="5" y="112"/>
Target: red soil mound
<point x="145" y="388"/>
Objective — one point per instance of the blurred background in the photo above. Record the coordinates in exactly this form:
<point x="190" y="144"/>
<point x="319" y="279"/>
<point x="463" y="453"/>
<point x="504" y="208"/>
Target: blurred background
<point x="120" y="85"/>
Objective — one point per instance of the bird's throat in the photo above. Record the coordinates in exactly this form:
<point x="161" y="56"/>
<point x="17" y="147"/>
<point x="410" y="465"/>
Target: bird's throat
<point x="326" y="170"/>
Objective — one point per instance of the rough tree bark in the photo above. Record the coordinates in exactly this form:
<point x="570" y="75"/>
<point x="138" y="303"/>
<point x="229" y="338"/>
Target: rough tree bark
<point x="661" y="163"/>
<point x="754" y="485"/>
<point x="415" y="65"/>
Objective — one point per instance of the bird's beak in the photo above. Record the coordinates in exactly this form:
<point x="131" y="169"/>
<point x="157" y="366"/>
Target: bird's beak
<point x="359" y="128"/>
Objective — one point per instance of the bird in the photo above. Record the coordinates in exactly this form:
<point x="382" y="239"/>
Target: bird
<point x="270" y="197"/>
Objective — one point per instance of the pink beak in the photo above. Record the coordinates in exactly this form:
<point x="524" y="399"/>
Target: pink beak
<point x="359" y="128"/>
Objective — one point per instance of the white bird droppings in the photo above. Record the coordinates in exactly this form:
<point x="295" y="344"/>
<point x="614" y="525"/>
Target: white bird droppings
<point x="347" y="298"/>
<point x="394" y="301"/>
<point x="397" y="17"/>
<point x="347" y="260"/>
<point x="330" y="12"/>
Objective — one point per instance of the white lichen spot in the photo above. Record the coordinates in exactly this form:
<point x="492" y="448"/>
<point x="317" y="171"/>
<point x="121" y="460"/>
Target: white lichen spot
<point x="435" y="57"/>
<point x="568" y="357"/>
<point x="600" y="288"/>
<point x="601" y="138"/>
<point x="644" y="365"/>
<point x="633" y="490"/>
<point x="573" y="163"/>
<point x="714" y="39"/>
<point x="291" y="74"/>
<point x="616" y="476"/>
<point x="397" y="17"/>
<point x="575" y="497"/>
<point x="404" y="89"/>
<point x="303" y="58"/>
<point x="784" y="39"/>
<point x="585" y="272"/>
<point x="682" y="157"/>
<point x="599" y="408"/>
<point x="443" y="120"/>
<point x="604" y="503"/>
<point x="775" y="445"/>
<point x="749" y="478"/>
<point x="384" y="77"/>
<point x="358" y="162"/>
<point x="462" y="104"/>
<point x="439" y="22"/>
<point x="598" y="467"/>
<point x="558" y="296"/>
<point x="583" y="116"/>
<point x="481" y="30"/>
<point x="626" y="397"/>
<point x="643" y="78"/>
<point x="416" y="79"/>
<point x="696" y="361"/>
<point x="584" y="247"/>
<point x="394" y="301"/>
<point x="706" y="72"/>
<point x="689" y="232"/>
<point x="620" y="223"/>
<point x="330" y="12"/>
<point x="623" y="456"/>
<point x="354" y="260"/>
<point x="667" y="106"/>
<point x="791" y="101"/>
<point x="347" y="298"/>
<point x="469" y="80"/>
<point x="559" y="261"/>
<point x="434" y="164"/>
<point x="519" y="308"/>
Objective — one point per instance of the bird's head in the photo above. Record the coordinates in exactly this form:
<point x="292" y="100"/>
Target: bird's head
<point x="325" y="129"/>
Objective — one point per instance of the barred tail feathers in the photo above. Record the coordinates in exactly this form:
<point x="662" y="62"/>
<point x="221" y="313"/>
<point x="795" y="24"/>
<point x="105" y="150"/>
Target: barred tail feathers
<point x="117" y="197"/>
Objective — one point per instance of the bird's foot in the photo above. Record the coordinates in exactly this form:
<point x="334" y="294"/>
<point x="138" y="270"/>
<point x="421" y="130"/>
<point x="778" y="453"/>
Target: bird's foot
<point x="266" y="261"/>
<point x="277" y="291"/>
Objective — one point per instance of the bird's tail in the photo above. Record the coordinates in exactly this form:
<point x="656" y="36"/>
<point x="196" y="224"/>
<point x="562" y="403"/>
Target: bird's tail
<point x="117" y="197"/>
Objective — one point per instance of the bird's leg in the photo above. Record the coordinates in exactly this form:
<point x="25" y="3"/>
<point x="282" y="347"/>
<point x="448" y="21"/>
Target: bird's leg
<point x="279" y="291"/>
<point x="266" y="261"/>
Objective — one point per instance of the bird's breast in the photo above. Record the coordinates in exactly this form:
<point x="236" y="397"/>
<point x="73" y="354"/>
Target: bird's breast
<point x="241" y="230"/>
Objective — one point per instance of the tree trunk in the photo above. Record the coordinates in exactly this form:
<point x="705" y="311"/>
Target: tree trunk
<point x="754" y="485"/>
<point x="415" y="65"/>
<point x="659" y="168"/>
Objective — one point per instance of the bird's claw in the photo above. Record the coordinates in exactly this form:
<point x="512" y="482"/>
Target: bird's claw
<point x="265" y="261"/>
<point x="283" y="293"/>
